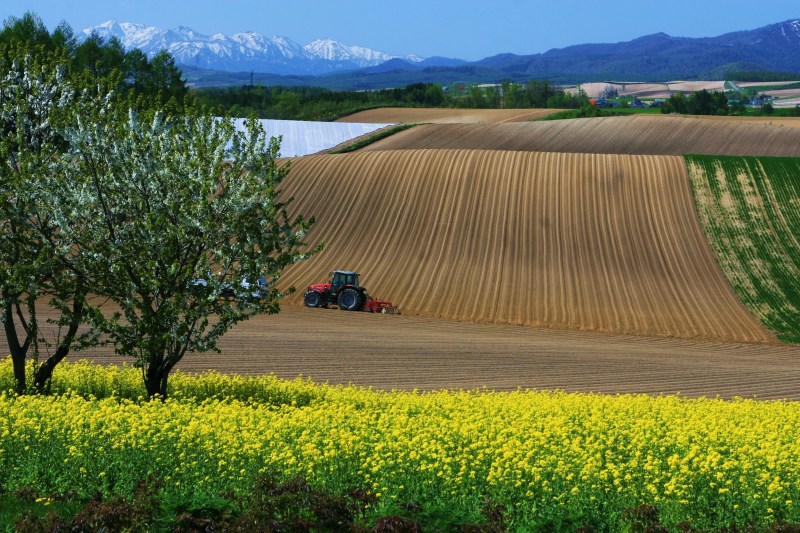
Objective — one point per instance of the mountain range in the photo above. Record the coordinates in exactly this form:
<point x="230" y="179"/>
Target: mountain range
<point x="220" y="59"/>
<point x="246" y="51"/>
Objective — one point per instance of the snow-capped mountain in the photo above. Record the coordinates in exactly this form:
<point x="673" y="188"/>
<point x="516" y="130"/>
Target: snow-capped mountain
<point x="243" y="51"/>
<point x="331" y="50"/>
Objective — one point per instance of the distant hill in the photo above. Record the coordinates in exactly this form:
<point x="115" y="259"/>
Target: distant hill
<point x="661" y="57"/>
<point x="326" y="63"/>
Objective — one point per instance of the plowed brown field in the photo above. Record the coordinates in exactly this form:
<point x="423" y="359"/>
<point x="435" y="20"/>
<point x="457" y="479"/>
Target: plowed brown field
<point x="585" y="242"/>
<point x="654" y="135"/>
<point x="405" y="115"/>
<point x="649" y="90"/>
<point x="402" y="352"/>
<point x="792" y="122"/>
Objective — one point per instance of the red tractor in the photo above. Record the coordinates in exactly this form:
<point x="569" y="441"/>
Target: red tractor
<point x="343" y="290"/>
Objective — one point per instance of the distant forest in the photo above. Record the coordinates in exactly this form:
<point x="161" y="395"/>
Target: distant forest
<point x="309" y="103"/>
<point x="760" y="75"/>
<point x="98" y="59"/>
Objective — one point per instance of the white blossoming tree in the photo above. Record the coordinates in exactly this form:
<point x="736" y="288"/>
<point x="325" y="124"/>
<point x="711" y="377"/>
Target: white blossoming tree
<point x="34" y="95"/>
<point x="177" y="221"/>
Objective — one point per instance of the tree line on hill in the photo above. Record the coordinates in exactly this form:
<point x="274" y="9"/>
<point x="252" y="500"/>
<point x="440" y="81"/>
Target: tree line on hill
<point x="719" y="103"/>
<point x="95" y="57"/>
<point x="698" y="103"/>
<point x="760" y="75"/>
<point x="312" y="103"/>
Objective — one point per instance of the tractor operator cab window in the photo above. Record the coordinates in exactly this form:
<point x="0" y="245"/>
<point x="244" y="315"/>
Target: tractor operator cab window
<point x="341" y="278"/>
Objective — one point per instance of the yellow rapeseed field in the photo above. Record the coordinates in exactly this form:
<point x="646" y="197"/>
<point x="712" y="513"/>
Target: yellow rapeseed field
<point x="551" y="459"/>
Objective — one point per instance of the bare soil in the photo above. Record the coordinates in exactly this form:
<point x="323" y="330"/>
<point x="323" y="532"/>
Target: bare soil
<point x="638" y="134"/>
<point x="402" y="352"/>
<point x="578" y="272"/>
<point x="404" y="115"/>
<point x="791" y="122"/>
<point x="649" y="90"/>
<point x="604" y="243"/>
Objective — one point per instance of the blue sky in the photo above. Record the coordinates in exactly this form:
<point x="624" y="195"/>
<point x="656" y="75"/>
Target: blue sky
<point x="467" y="29"/>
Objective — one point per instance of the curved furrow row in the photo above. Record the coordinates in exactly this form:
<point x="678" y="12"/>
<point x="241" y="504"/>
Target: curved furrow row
<point x="605" y="243"/>
<point x="641" y="134"/>
<point x="409" y="115"/>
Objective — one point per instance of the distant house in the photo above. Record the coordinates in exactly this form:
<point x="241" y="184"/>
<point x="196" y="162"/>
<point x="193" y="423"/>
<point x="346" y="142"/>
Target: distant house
<point x="636" y="103"/>
<point x="761" y="99"/>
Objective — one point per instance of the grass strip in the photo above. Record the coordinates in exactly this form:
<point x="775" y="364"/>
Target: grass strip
<point x="381" y="134"/>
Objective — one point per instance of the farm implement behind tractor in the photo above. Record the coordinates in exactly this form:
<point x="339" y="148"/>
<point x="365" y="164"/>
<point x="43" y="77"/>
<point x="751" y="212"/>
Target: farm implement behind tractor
<point x="343" y="290"/>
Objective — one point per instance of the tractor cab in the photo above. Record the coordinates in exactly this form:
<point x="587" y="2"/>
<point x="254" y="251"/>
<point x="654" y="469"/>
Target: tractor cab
<point x="340" y="278"/>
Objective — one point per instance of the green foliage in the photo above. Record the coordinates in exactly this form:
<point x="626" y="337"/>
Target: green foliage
<point x="313" y="103"/>
<point x="588" y="111"/>
<point x="35" y="98"/>
<point x="272" y="505"/>
<point x="139" y="196"/>
<point x="167" y="213"/>
<point x="30" y="30"/>
<point x="303" y="103"/>
<point x="750" y="207"/>
<point x="131" y="71"/>
<point x="760" y="75"/>
<point x="698" y="103"/>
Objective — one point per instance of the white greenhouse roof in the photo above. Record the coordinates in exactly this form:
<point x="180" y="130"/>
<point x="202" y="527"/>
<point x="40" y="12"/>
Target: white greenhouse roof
<point x="303" y="138"/>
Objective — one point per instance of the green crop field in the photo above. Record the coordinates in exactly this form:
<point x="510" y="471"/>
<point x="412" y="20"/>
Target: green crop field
<point x="750" y="207"/>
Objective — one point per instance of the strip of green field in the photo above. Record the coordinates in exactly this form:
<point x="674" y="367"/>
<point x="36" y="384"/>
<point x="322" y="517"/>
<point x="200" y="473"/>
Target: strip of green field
<point x="750" y="208"/>
<point x="381" y="134"/>
<point x="593" y="112"/>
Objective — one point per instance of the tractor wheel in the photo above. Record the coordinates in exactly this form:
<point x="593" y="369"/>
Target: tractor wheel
<point x="313" y="299"/>
<point x="350" y="300"/>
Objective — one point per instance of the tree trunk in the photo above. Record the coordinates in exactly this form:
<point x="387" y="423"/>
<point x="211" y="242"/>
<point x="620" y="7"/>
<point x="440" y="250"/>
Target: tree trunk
<point x="45" y="372"/>
<point x="155" y="379"/>
<point x="18" y="352"/>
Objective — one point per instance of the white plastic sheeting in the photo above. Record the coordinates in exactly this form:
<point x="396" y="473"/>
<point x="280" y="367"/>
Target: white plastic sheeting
<point x="303" y="138"/>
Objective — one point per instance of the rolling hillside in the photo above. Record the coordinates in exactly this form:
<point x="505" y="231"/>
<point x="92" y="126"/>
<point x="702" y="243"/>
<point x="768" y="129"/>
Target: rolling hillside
<point x="607" y="243"/>
<point x="410" y="115"/>
<point x="654" y="135"/>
